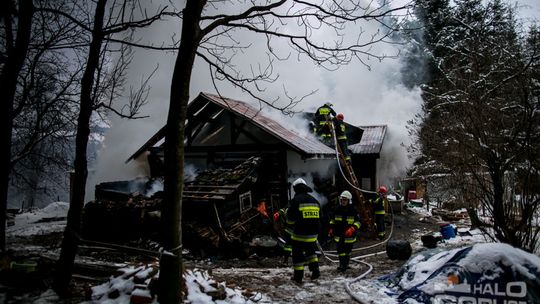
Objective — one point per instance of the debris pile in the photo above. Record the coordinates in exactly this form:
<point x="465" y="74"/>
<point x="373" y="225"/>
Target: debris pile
<point x="222" y="210"/>
<point x="121" y="220"/>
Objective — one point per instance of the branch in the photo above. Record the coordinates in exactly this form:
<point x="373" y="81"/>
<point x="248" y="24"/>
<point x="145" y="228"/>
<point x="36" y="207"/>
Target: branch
<point x="225" y="19"/>
<point x="120" y="27"/>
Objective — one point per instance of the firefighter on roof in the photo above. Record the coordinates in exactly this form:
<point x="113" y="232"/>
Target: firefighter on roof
<point x="379" y="211"/>
<point x="344" y="226"/>
<point x="323" y="116"/>
<point x="341" y="136"/>
<point x="303" y="215"/>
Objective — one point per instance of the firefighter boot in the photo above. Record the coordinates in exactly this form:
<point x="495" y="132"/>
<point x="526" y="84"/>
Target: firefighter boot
<point x="315" y="272"/>
<point x="341" y="266"/>
<point x="298" y="276"/>
<point x="346" y="263"/>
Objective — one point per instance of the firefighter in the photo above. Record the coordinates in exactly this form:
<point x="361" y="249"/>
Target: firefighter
<point x="323" y="116"/>
<point x="344" y="226"/>
<point x="284" y="231"/>
<point x="341" y="136"/>
<point x="379" y="211"/>
<point x="303" y="216"/>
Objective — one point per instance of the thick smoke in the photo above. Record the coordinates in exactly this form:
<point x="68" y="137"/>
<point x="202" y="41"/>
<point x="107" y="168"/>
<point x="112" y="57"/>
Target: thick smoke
<point x="365" y="96"/>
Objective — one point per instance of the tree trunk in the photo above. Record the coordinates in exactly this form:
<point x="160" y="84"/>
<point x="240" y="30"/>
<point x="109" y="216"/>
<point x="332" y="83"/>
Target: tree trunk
<point x="475" y="220"/>
<point x="73" y="227"/>
<point x="170" y="275"/>
<point x="501" y="219"/>
<point x="8" y="85"/>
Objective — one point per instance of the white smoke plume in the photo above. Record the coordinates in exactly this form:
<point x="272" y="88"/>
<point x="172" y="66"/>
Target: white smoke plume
<point x="365" y="96"/>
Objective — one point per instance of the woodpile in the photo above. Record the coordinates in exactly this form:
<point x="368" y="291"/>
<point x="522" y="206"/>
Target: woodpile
<point x="108" y="220"/>
<point x="450" y="216"/>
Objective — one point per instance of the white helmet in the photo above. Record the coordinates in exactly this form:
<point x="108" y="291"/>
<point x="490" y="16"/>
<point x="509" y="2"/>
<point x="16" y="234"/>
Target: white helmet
<point x="346" y="194"/>
<point x="329" y="104"/>
<point x="299" y="181"/>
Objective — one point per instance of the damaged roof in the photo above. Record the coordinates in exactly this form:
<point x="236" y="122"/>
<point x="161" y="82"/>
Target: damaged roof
<point x="370" y="143"/>
<point x="310" y="146"/>
<point x="372" y="140"/>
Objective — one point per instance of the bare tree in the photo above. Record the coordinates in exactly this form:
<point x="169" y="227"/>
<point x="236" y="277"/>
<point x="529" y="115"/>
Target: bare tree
<point x="45" y="107"/>
<point x="100" y="84"/>
<point x="209" y="33"/>
<point x="16" y="40"/>
<point x="40" y="111"/>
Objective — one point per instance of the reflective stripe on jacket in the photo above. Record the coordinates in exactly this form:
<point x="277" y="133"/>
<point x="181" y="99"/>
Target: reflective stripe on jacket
<point x="304" y="217"/>
<point x="343" y="218"/>
<point x="340" y="130"/>
<point x="322" y="113"/>
<point x="378" y="205"/>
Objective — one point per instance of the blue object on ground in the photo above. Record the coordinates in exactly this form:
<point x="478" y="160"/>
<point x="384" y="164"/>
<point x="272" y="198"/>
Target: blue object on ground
<point x="448" y="231"/>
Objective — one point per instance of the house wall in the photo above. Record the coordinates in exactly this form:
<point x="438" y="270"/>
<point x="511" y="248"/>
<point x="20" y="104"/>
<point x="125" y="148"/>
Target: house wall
<point x="365" y="168"/>
<point x="319" y="174"/>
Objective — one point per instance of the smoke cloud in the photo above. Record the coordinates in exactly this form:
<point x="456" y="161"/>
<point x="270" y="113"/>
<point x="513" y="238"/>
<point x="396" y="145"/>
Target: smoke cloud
<point x="365" y="96"/>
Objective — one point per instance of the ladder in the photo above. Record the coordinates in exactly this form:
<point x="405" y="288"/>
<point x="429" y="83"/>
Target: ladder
<point x="361" y="205"/>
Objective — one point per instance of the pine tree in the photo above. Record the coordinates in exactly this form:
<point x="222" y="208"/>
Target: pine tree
<point x="476" y="125"/>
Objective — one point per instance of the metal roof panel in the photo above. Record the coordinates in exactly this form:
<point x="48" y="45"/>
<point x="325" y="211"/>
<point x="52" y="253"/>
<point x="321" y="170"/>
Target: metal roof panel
<point x="307" y="145"/>
<point x="372" y="140"/>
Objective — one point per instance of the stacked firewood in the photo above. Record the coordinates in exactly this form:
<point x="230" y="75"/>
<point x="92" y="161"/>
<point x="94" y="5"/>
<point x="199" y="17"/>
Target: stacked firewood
<point x="120" y="220"/>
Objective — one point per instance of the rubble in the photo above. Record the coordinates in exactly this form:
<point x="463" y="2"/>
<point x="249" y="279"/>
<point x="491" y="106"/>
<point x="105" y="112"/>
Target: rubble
<point x="219" y="213"/>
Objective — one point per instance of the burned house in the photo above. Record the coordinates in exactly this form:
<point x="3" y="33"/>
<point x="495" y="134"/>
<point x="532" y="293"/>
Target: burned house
<point x="224" y="135"/>
<point x="222" y="132"/>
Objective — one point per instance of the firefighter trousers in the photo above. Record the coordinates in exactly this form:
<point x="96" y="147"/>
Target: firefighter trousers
<point x="304" y="253"/>
<point x="344" y="253"/>
<point x="379" y="221"/>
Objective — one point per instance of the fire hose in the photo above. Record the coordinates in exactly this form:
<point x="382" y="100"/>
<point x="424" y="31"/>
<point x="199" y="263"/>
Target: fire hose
<point x="356" y="259"/>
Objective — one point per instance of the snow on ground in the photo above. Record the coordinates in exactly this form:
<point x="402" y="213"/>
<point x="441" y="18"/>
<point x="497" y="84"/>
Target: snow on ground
<point x="252" y="285"/>
<point x="50" y="219"/>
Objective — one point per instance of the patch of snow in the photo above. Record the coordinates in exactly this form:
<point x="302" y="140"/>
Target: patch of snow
<point x="374" y="293"/>
<point x="28" y="223"/>
<point x="419" y="210"/>
<point x="489" y="256"/>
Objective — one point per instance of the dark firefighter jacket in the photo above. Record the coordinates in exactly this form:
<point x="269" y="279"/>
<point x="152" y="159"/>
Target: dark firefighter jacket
<point x="303" y="216"/>
<point x="343" y="218"/>
<point x="285" y="229"/>
<point x="283" y="221"/>
<point x="340" y="129"/>
<point x="322" y="113"/>
<point x="378" y="205"/>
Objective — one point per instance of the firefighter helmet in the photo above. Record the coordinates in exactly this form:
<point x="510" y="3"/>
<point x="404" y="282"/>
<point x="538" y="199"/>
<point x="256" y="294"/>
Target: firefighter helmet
<point x="299" y="181"/>
<point x="340" y="116"/>
<point x="328" y="104"/>
<point x="346" y="194"/>
<point x="383" y="190"/>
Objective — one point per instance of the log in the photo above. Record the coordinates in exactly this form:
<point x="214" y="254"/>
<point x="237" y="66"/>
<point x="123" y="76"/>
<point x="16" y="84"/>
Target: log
<point x="123" y="248"/>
